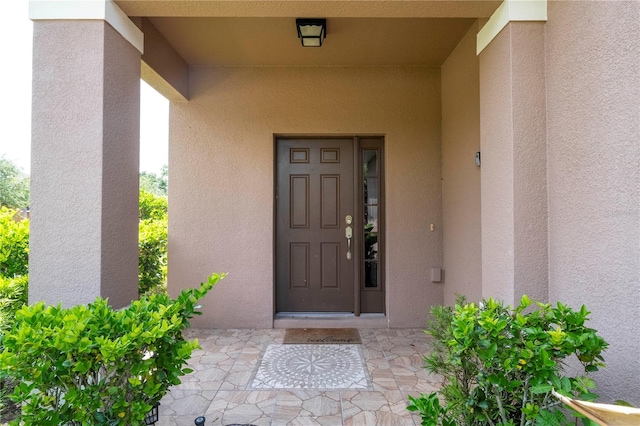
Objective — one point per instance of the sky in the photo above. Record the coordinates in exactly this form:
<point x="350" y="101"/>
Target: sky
<point x="15" y="106"/>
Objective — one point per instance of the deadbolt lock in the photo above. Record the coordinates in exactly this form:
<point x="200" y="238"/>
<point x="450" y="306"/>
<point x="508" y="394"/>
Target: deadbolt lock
<point x="348" y="219"/>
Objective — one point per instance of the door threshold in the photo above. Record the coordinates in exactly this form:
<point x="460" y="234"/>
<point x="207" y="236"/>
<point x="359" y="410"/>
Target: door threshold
<point x="329" y="320"/>
<point x="314" y="315"/>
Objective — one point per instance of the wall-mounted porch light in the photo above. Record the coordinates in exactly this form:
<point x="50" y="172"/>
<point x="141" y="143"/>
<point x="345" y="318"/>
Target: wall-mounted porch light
<point x="311" y="32"/>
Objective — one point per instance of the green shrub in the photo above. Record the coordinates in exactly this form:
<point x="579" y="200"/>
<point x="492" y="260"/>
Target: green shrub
<point x="13" y="294"/>
<point x="432" y="413"/>
<point x="500" y="364"/>
<point x="152" y="206"/>
<point x="152" y="244"/>
<point x="458" y="379"/>
<point x="152" y="261"/>
<point x="14" y="258"/>
<point x="14" y="244"/>
<point x="92" y="365"/>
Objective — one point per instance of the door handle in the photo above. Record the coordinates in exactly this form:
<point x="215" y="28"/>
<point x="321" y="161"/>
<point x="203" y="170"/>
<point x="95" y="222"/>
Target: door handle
<point x="348" y="233"/>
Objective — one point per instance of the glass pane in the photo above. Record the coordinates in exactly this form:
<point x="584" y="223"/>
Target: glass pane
<point x="370" y="162"/>
<point x="371" y="246"/>
<point x="371" y="191"/>
<point x="371" y="274"/>
<point x="371" y="219"/>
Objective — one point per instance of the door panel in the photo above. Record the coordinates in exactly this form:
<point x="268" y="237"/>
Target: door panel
<point x="330" y="265"/>
<point x="299" y="201"/>
<point x="314" y="195"/>
<point x="330" y="200"/>
<point x="299" y="265"/>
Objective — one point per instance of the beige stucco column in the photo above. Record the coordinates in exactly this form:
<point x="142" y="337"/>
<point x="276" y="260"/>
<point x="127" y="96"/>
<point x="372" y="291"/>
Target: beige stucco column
<point x="513" y="146"/>
<point x="85" y="154"/>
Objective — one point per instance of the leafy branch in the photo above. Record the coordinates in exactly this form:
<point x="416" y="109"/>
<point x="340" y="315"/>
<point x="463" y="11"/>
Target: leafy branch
<point x="500" y="363"/>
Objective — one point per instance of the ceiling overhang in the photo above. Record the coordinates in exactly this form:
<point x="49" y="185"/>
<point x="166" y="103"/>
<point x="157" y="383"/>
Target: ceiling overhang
<point x="350" y="42"/>
<point x="324" y="8"/>
<point x="223" y="33"/>
<point x="360" y="32"/>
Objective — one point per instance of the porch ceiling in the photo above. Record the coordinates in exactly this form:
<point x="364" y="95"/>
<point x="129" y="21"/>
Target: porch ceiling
<point x="312" y="8"/>
<point x="350" y="41"/>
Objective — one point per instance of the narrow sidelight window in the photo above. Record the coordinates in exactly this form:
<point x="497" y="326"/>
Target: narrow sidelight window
<point x="371" y="181"/>
<point x="371" y="193"/>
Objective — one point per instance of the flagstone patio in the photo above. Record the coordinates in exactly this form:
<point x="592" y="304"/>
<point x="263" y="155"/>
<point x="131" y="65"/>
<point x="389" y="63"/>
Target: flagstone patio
<point x="249" y="377"/>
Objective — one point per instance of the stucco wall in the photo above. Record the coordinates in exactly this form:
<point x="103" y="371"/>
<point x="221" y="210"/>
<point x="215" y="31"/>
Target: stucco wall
<point x="221" y="156"/>
<point x="514" y="164"/>
<point x="84" y="162"/>
<point x="460" y="176"/>
<point x="531" y="262"/>
<point x="593" y="97"/>
<point x="497" y="168"/>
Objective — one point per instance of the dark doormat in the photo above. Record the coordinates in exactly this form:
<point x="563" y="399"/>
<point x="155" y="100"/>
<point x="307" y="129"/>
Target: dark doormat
<point x="321" y="336"/>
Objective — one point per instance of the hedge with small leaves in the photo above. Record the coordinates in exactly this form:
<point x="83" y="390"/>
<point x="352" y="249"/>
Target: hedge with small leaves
<point x="13" y="295"/>
<point x="14" y="244"/>
<point x="152" y="261"/>
<point x="152" y="244"/>
<point x="500" y="363"/>
<point x="93" y="365"/>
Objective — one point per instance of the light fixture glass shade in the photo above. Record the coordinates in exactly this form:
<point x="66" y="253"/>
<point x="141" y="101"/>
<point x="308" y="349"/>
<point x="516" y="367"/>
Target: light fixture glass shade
<point x="311" y="32"/>
<point x="311" y="42"/>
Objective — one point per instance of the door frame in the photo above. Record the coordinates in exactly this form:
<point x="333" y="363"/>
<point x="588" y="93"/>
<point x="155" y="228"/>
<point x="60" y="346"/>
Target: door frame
<point x="358" y="183"/>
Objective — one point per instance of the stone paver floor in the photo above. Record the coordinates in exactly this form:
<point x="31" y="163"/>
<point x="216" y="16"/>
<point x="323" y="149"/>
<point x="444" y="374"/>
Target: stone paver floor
<point x="224" y="388"/>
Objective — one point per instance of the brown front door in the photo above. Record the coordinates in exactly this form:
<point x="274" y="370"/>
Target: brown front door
<point x="315" y="195"/>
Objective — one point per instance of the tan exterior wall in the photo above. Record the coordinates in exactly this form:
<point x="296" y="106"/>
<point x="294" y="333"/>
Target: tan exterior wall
<point x="120" y="169"/>
<point x="221" y="157"/>
<point x="85" y="162"/>
<point x="514" y="164"/>
<point x="497" y="182"/>
<point x="593" y="98"/>
<point x="531" y="261"/>
<point x="462" y="245"/>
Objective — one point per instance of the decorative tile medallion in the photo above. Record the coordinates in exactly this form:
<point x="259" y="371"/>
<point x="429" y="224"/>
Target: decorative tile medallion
<point x="311" y="367"/>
